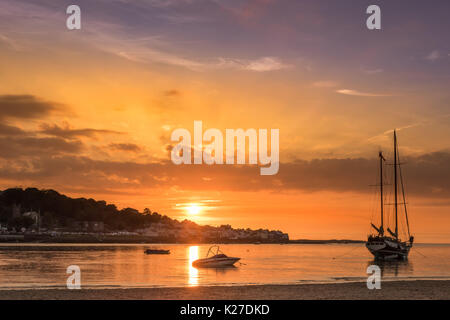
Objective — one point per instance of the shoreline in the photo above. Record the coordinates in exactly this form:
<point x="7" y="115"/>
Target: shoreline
<point x="11" y="244"/>
<point x="97" y="239"/>
<point x="390" y="290"/>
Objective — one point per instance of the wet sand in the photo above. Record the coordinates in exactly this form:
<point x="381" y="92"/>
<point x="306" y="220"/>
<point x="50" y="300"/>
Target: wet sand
<point x="418" y="289"/>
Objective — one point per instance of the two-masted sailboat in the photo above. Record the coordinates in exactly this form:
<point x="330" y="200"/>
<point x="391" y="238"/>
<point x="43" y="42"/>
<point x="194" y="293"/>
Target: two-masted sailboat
<point x="387" y="247"/>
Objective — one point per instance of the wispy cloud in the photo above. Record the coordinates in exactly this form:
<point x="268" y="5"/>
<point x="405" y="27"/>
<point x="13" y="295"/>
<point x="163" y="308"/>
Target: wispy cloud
<point x="136" y="44"/>
<point x="266" y="64"/>
<point x="262" y="64"/>
<point x="372" y="71"/>
<point x="351" y="92"/>
<point x="67" y="132"/>
<point x="156" y="50"/>
<point x="386" y="135"/>
<point x="11" y="43"/>
<point x="433" y="56"/>
<point x="147" y="55"/>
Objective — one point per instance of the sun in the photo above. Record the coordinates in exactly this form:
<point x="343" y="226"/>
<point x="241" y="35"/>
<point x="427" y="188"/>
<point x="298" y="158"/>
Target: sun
<point x="193" y="209"/>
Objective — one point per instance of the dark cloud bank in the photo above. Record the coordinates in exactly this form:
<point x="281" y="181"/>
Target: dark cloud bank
<point x="427" y="175"/>
<point x="52" y="156"/>
<point x="49" y="140"/>
<point x="25" y="107"/>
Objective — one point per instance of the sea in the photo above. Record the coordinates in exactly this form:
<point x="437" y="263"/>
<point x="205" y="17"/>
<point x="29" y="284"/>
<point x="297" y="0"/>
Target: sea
<point x="44" y="266"/>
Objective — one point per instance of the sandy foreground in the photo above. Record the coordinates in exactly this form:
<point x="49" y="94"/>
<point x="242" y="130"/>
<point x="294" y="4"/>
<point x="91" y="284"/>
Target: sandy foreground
<point x="419" y="289"/>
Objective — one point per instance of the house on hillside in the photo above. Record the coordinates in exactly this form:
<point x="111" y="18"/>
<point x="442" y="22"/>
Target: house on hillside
<point x="88" y="226"/>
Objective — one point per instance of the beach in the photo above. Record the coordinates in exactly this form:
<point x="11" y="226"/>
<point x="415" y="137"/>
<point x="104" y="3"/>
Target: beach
<point x="394" y="290"/>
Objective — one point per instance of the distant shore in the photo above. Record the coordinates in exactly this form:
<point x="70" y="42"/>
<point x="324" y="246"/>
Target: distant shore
<point x="417" y="290"/>
<point x="308" y="241"/>
<point x="138" y="239"/>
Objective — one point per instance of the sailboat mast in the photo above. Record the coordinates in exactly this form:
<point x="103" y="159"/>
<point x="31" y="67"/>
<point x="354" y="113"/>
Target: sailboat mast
<point x="395" y="185"/>
<point x="404" y="198"/>
<point x="381" y="192"/>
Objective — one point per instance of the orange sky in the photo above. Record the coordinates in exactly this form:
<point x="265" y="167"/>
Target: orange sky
<point x="90" y="112"/>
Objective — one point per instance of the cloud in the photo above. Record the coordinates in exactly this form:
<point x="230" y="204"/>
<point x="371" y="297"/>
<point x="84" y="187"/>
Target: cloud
<point x="11" y="43"/>
<point x="351" y="92"/>
<point x="70" y="133"/>
<point x="132" y="40"/>
<point x="266" y="64"/>
<point x="262" y="64"/>
<point x="387" y="135"/>
<point x="428" y="175"/>
<point x="433" y="55"/>
<point x="172" y="93"/>
<point x="141" y="53"/>
<point x="372" y="71"/>
<point x="131" y="147"/>
<point x="147" y="55"/>
<point x="32" y="147"/>
<point x="25" y="107"/>
<point x="115" y="39"/>
<point x="8" y="130"/>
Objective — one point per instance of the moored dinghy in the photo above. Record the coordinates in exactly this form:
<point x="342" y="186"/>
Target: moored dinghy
<point x="217" y="260"/>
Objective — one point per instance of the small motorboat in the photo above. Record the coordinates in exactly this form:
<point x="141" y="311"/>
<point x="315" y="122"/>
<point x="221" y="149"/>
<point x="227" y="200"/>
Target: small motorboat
<point x="217" y="259"/>
<point x="156" y="251"/>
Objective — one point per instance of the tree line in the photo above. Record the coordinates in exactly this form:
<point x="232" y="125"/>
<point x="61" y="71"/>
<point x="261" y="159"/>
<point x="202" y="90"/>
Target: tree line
<point x="58" y="210"/>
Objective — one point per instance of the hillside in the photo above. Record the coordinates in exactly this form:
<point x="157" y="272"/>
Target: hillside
<point x="35" y="212"/>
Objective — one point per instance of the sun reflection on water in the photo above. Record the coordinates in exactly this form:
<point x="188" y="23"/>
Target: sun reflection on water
<point x="193" y="272"/>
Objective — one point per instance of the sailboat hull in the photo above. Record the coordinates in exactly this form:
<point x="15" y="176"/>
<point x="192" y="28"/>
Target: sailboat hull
<point x="388" y="249"/>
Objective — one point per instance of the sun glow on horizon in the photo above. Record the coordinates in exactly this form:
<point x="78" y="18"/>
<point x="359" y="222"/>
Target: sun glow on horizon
<point x="190" y="209"/>
<point x="193" y="209"/>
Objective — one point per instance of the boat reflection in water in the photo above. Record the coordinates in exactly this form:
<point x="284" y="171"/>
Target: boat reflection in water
<point x="195" y="273"/>
<point x="393" y="268"/>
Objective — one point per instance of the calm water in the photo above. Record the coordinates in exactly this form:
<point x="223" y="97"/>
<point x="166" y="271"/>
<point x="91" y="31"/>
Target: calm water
<point x="43" y="266"/>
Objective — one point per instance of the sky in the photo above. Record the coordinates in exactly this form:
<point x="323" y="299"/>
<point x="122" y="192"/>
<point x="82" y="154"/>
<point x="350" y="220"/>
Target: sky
<point x="90" y="112"/>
